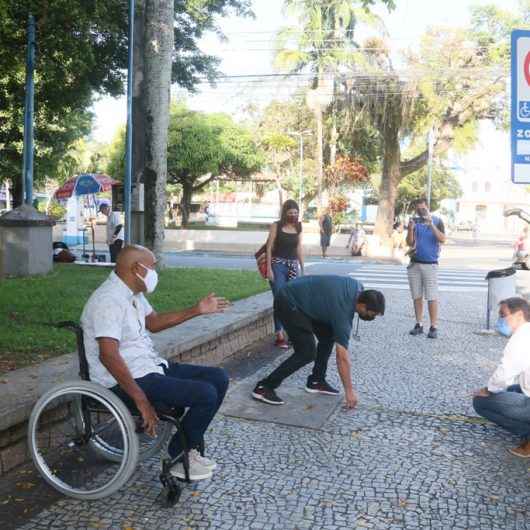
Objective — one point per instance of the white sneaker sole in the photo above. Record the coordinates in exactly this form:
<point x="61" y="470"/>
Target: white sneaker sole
<point x="312" y="391"/>
<point x="182" y="476"/>
<point x="259" y="397"/>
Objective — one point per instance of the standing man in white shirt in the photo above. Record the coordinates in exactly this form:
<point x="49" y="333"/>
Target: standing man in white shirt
<point x="121" y="356"/>
<point x="115" y="232"/>
<point x="506" y="399"/>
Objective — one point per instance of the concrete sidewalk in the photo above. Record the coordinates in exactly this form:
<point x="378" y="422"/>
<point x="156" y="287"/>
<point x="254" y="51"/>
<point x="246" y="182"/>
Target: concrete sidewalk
<point x="413" y="455"/>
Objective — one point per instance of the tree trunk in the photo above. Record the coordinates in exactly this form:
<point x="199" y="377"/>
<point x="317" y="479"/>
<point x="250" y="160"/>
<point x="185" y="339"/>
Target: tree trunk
<point x="159" y="41"/>
<point x="185" y="203"/>
<point x="388" y="189"/>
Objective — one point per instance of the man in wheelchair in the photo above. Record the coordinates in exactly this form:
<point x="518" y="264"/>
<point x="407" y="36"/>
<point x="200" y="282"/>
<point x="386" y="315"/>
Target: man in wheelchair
<point x="121" y="356"/>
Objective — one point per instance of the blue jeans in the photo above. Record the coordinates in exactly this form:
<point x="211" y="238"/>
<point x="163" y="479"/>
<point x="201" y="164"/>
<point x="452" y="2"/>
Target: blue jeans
<point x="281" y="277"/>
<point x="201" y="388"/>
<point x="509" y="409"/>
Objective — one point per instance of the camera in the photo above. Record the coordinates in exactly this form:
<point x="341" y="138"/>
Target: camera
<point x="420" y="220"/>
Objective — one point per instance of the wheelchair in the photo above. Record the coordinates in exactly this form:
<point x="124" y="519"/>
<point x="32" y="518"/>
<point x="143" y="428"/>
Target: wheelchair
<point x="86" y="442"/>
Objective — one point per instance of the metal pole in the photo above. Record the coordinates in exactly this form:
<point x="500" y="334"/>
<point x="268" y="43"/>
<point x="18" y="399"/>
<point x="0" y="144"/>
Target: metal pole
<point x="128" y="152"/>
<point x="27" y="169"/>
<point x="430" y="141"/>
<point x="300" y="183"/>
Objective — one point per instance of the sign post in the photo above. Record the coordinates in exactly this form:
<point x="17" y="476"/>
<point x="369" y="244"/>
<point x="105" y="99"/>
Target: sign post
<point x="520" y="111"/>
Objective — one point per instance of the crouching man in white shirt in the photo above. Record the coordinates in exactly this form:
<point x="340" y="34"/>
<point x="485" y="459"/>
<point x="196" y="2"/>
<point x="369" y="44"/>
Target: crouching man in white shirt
<point x="506" y="399"/>
<point x="121" y="355"/>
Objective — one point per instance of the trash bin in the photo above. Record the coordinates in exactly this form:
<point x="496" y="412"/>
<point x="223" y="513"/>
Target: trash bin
<point x="501" y="285"/>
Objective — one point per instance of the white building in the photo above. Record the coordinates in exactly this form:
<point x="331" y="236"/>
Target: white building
<point x="484" y="174"/>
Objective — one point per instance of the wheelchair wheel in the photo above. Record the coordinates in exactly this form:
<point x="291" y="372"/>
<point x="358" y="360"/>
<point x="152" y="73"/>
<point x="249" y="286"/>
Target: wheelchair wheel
<point x="64" y="437"/>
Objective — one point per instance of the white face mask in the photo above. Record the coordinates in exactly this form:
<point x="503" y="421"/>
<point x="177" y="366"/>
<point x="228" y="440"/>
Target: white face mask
<point x="150" y="279"/>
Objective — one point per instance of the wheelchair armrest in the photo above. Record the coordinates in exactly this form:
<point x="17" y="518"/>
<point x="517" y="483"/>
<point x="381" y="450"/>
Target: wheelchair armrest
<point x="68" y="324"/>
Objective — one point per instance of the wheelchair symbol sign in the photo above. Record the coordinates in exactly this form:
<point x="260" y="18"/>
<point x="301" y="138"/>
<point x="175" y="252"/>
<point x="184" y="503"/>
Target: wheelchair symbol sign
<point x="524" y="109"/>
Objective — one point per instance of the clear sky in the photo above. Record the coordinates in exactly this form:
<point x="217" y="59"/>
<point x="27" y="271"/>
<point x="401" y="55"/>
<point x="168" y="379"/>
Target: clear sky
<point x="249" y="51"/>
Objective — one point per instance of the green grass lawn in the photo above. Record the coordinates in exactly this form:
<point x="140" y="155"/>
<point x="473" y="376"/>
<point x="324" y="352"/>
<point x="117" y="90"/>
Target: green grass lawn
<point x="26" y="303"/>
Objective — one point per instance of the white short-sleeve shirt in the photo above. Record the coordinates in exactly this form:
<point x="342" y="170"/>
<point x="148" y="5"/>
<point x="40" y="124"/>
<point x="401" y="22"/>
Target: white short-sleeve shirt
<point x="515" y="363"/>
<point x="113" y="220"/>
<point x="114" y="311"/>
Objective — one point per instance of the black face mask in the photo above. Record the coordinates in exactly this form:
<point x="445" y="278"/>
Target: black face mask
<point x="366" y="317"/>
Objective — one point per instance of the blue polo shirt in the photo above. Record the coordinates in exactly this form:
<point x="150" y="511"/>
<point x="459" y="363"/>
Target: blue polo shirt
<point x="427" y="246"/>
<point x="330" y="300"/>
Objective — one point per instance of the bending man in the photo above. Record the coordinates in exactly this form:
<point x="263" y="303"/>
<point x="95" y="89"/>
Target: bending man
<point x="321" y="306"/>
<point x="121" y="355"/>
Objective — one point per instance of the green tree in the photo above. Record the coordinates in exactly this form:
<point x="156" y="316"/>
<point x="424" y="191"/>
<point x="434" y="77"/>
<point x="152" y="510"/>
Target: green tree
<point x="444" y="186"/>
<point x="80" y="49"/>
<point x="459" y="78"/>
<point x="278" y="128"/>
<point x="205" y="146"/>
<point x="322" y="41"/>
<point x="167" y="51"/>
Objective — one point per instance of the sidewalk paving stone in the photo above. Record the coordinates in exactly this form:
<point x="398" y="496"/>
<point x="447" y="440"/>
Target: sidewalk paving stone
<point x="412" y="456"/>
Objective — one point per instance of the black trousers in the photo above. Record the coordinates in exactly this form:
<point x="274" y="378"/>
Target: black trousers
<point x="302" y="331"/>
<point x="114" y="250"/>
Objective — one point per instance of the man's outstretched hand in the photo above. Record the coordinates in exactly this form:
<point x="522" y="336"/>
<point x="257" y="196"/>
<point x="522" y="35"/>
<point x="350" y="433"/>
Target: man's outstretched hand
<point x="212" y="304"/>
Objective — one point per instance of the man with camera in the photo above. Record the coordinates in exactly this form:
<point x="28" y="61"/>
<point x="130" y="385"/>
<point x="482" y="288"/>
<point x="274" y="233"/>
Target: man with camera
<point x="425" y="235"/>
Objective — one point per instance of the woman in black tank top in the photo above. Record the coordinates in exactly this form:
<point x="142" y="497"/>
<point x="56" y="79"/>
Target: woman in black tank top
<point x="284" y="256"/>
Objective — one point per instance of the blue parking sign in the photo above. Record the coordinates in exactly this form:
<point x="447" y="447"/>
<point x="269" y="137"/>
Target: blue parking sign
<point x="520" y="130"/>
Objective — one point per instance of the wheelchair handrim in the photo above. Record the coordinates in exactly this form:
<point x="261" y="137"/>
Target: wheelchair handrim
<point x="43" y="467"/>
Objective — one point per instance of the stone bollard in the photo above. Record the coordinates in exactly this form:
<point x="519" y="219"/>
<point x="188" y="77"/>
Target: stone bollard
<point x="25" y="242"/>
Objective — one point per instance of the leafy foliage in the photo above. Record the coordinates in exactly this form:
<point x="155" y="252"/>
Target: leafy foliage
<point x="346" y="171"/>
<point x="81" y="51"/>
<point x="444" y="185"/>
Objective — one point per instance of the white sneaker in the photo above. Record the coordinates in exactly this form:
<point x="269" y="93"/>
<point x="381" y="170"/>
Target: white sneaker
<point x="208" y="463"/>
<point x="197" y="471"/>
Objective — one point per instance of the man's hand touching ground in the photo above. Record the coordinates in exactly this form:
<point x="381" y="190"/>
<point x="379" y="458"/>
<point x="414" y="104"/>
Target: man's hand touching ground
<point x="212" y="304"/>
<point x="351" y="400"/>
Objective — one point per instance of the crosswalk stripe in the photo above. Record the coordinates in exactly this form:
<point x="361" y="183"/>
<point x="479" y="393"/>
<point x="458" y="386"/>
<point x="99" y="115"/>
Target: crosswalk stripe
<point x="441" y="279"/>
<point x="448" y="272"/>
<point x="394" y="277"/>
<point x="441" y="288"/>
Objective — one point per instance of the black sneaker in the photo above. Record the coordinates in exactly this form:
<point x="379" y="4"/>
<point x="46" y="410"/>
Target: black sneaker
<point x="267" y="395"/>
<point x="433" y="333"/>
<point x="416" y="330"/>
<point x="320" y="387"/>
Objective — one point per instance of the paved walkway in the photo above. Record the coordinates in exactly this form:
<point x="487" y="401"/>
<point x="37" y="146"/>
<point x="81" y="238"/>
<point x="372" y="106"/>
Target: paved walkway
<point x="413" y="455"/>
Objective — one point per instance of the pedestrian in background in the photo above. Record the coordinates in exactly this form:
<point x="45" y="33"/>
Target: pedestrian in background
<point x="115" y="233"/>
<point x="399" y="243"/>
<point x="326" y="229"/>
<point x="357" y="240"/>
<point x="285" y="259"/>
<point x="424" y="235"/>
<point x="506" y="399"/>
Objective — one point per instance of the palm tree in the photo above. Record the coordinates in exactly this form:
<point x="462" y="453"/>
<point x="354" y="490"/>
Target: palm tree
<point x="319" y="44"/>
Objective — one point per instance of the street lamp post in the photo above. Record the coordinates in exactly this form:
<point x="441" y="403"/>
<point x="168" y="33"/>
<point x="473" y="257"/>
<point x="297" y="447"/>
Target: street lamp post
<point x="430" y="141"/>
<point x="300" y="135"/>
<point x="27" y="170"/>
